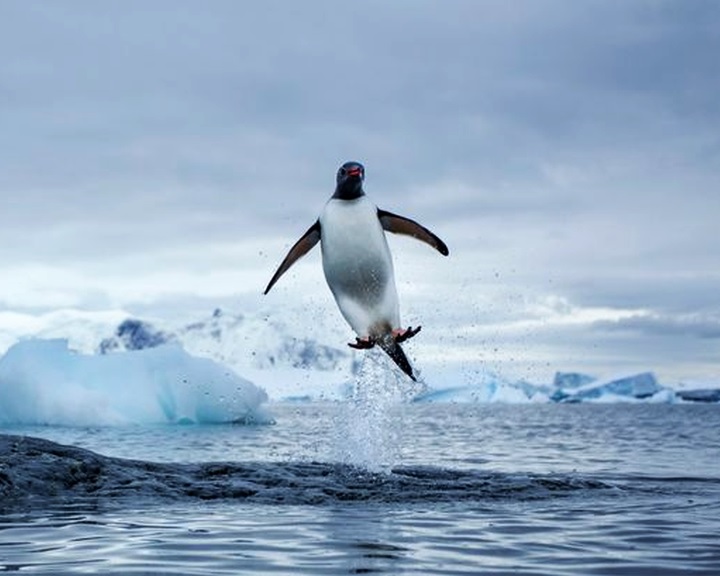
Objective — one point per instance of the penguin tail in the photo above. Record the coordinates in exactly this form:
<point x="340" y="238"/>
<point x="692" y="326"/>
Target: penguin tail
<point x="392" y="348"/>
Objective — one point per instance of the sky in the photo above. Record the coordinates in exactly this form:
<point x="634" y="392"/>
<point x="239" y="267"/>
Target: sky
<point x="161" y="157"/>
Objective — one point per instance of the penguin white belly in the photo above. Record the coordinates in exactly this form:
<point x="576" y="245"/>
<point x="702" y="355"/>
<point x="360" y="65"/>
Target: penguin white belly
<point x="358" y="266"/>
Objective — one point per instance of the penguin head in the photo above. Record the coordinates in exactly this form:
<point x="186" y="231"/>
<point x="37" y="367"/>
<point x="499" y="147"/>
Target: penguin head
<point x="349" y="180"/>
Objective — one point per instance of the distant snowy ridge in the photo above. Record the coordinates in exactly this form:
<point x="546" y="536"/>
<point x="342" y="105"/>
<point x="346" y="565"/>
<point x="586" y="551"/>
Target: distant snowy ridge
<point x="290" y="365"/>
<point x="133" y="334"/>
<point x="265" y="350"/>
<point x="83" y="329"/>
<point x="236" y="340"/>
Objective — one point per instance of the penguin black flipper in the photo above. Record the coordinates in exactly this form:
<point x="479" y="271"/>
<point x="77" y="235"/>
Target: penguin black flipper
<point x="396" y="353"/>
<point x="303" y="246"/>
<point x="401" y="225"/>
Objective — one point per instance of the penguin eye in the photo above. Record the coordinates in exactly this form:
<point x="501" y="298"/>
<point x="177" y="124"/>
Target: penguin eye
<point x="342" y="171"/>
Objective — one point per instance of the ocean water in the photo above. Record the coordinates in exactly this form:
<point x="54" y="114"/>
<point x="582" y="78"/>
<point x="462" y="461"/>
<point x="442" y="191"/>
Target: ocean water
<point x="365" y="487"/>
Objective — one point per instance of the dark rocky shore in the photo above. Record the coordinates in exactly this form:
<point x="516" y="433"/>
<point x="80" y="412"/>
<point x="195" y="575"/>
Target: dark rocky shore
<point x="38" y="473"/>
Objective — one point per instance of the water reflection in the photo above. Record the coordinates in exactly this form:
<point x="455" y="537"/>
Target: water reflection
<point x="370" y="540"/>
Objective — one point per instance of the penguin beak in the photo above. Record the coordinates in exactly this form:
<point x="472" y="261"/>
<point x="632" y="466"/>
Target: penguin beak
<point x="354" y="172"/>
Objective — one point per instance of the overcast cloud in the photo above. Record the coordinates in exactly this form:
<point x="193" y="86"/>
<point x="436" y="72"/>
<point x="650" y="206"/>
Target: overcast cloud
<point x="158" y="154"/>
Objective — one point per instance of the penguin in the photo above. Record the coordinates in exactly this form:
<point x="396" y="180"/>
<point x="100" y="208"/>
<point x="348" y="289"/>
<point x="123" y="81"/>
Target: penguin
<point x="357" y="263"/>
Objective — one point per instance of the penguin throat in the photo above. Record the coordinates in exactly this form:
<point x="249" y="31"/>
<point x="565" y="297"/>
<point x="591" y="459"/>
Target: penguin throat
<point x="349" y="190"/>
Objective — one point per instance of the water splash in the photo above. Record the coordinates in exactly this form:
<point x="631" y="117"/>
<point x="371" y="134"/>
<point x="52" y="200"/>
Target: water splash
<point x="370" y="425"/>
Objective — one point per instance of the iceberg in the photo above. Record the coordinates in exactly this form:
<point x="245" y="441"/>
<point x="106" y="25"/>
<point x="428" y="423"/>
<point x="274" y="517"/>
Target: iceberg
<point x="487" y="387"/>
<point x="43" y="382"/>
<point x="631" y="387"/>
<point x="571" y="380"/>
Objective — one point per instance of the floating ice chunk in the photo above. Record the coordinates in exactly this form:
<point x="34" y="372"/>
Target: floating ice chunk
<point x="43" y="382"/>
<point x="699" y="395"/>
<point x="698" y="390"/>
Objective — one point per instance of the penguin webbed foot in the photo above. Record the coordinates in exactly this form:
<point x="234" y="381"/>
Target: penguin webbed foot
<point x="403" y="335"/>
<point x="362" y="343"/>
<point x="398" y="335"/>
